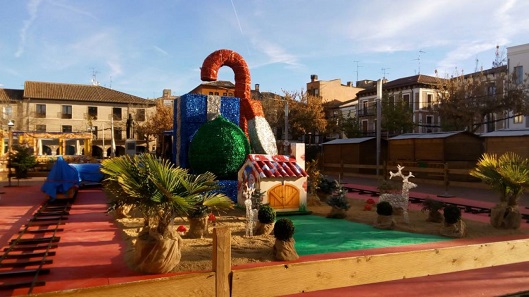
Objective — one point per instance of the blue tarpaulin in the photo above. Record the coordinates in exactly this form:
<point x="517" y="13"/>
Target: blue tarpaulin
<point x="60" y="179"/>
<point x="89" y="172"/>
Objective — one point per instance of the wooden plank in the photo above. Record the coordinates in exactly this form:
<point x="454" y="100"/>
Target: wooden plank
<point x="196" y="285"/>
<point x="29" y="255"/>
<point x="292" y="278"/>
<point x="17" y="285"/>
<point x="26" y="263"/>
<point x="29" y="272"/>
<point x="222" y="260"/>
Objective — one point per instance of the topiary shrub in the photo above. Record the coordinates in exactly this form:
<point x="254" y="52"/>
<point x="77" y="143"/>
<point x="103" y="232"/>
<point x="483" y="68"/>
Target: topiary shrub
<point x="384" y="208"/>
<point x="452" y="214"/>
<point x="266" y="214"/>
<point x="284" y="229"/>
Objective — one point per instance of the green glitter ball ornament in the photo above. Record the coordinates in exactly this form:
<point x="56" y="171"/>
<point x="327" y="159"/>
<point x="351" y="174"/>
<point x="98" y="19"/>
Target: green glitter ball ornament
<point x="220" y="147"/>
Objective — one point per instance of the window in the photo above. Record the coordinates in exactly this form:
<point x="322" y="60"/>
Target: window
<point x="40" y="111"/>
<point x="391" y="101"/>
<point x="118" y="133"/>
<point x="140" y="115"/>
<point x="491" y="90"/>
<point x="66" y="112"/>
<point x="406" y="100"/>
<point x="40" y="128"/>
<point x="216" y="93"/>
<point x="7" y="112"/>
<point x="364" y="108"/>
<point x="66" y="128"/>
<point x="211" y="93"/>
<point x="224" y="94"/>
<point x="364" y="126"/>
<point x="429" y="123"/>
<point x="93" y="129"/>
<point x="518" y="75"/>
<point x="92" y="112"/>
<point x="116" y="113"/>
<point x="429" y="100"/>
<point x="518" y="119"/>
<point x="230" y="94"/>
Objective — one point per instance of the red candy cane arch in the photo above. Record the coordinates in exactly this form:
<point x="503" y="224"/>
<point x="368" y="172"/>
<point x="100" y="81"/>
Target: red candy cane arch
<point x="252" y="120"/>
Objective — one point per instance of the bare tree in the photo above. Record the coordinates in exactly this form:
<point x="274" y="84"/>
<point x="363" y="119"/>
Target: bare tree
<point x="466" y="100"/>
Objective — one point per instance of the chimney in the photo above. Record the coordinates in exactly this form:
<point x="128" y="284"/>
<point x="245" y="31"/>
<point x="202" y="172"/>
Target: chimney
<point x="257" y="87"/>
<point x="313" y="78"/>
<point x="166" y="93"/>
<point x="349" y="83"/>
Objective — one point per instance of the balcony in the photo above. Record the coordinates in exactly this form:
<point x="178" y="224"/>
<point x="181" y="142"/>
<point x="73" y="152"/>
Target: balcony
<point x="366" y="112"/>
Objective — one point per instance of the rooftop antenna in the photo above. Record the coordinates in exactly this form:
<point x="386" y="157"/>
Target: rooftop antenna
<point x="94" y="79"/>
<point x="477" y="64"/>
<point x="384" y="72"/>
<point x="110" y="87"/>
<point x="500" y="58"/>
<point x="419" y="59"/>
<point x="357" y="69"/>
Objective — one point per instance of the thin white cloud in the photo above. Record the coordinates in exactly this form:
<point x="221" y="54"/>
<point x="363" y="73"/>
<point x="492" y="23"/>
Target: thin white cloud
<point x="274" y="54"/>
<point x="33" y="7"/>
<point x="160" y="50"/>
<point x="72" y="9"/>
<point x="115" y="68"/>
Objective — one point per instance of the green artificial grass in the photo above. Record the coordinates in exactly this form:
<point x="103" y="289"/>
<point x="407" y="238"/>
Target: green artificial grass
<point x="320" y="235"/>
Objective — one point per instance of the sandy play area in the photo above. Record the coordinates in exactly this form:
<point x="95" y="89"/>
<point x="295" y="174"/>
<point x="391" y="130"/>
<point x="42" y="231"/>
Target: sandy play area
<point x="196" y="253"/>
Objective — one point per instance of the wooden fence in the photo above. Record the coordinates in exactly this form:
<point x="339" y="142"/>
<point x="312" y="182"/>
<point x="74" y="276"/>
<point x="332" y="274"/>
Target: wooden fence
<point x="296" y="277"/>
<point x="436" y="173"/>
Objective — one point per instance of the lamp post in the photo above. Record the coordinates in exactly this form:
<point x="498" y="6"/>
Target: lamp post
<point x="10" y="125"/>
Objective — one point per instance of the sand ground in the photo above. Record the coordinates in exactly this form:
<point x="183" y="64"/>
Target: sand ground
<point x="196" y="253"/>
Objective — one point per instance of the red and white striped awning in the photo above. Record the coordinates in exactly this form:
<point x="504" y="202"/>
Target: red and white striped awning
<point x="276" y="166"/>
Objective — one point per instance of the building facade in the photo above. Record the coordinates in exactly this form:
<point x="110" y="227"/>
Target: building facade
<point x="418" y="92"/>
<point x="53" y="114"/>
<point x="518" y="65"/>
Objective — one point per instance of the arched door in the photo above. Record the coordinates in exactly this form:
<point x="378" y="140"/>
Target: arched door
<point x="283" y="196"/>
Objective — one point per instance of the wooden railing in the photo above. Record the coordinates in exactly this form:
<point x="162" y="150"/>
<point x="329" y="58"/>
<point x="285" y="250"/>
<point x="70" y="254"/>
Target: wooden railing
<point x="307" y="276"/>
<point x="434" y="172"/>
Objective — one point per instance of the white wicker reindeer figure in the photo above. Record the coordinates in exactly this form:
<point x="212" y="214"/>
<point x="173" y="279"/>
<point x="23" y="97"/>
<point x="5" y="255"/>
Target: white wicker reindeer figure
<point x="248" y="192"/>
<point x="400" y="202"/>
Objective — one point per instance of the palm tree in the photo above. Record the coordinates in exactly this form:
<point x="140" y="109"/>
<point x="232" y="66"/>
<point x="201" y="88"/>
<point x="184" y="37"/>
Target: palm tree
<point x="509" y="176"/>
<point x="161" y="192"/>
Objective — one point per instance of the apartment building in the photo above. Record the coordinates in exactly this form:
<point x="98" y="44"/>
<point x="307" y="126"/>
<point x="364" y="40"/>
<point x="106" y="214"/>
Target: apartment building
<point x="518" y="65"/>
<point x="418" y="92"/>
<point x="64" y="118"/>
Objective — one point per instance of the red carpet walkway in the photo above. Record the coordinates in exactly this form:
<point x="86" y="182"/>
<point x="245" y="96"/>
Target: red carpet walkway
<point x="90" y="253"/>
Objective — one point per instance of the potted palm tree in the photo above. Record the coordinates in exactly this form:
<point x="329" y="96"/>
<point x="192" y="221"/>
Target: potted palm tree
<point x="160" y="192"/>
<point x="509" y="176"/>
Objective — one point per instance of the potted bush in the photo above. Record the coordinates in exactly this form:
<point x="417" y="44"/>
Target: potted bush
<point x="384" y="216"/>
<point x="325" y="187"/>
<point x="453" y="226"/>
<point x="266" y="217"/>
<point x="160" y="192"/>
<point x="22" y="159"/>
<point x="433" y="207"/>
<point x="339" y="204"/>
<point x="509" y="176"/>
<point x="284" y="249"/>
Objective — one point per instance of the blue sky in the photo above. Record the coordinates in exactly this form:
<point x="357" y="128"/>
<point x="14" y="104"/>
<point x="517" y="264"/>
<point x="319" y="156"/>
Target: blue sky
<point x="141" y="47"/>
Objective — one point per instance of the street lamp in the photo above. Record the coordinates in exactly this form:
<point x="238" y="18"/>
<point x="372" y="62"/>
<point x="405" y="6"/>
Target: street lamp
<point x="10" y="125"/>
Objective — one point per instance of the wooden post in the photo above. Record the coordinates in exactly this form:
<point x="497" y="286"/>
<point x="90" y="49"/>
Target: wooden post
<point x="446" y="182"/>
<point x="222" y="260"/>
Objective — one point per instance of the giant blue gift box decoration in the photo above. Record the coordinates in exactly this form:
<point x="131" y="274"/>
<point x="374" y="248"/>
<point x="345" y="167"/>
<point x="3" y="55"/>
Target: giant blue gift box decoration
<point x="190" y="113"/>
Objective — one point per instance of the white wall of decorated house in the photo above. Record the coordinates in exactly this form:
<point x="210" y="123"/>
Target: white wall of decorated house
<point x="287" y="192"/>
